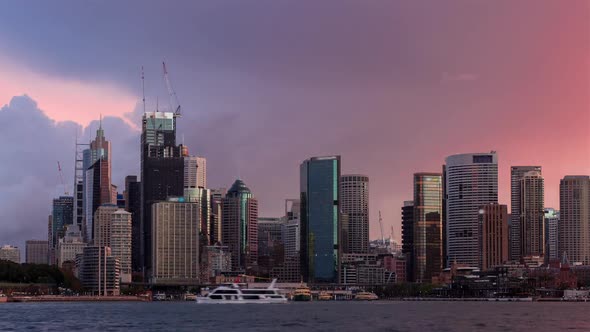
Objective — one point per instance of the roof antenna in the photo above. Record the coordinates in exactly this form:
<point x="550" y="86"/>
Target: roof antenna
<point x="143" y="88"/>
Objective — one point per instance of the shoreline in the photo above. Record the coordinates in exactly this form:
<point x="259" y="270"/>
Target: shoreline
<point x="84" y="298"/>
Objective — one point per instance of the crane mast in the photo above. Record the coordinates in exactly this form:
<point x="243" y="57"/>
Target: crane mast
<point x="171" y="93"/>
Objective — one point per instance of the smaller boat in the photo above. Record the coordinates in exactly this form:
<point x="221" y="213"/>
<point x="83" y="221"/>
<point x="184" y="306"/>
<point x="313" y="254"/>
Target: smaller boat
<point x="159" y="297"/>
<point x="324" y="296"/>
<point x="3" y="298"/>
<point x="301" y="293"/>
<point x="190" y="297"/>
<point x="366" y="296"/>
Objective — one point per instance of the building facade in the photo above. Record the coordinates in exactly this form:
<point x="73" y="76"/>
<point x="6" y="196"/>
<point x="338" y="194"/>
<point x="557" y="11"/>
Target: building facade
<point x="427" y="226"/>
<point x="239" y="226"/>
<point x="112" y="228"/>
<point x="36" y="252"/>
<point x="493" y="235"/>
<point x="10" y="253"/>
<point x="98" y="271"/>
<point x="195" y="172"/>
<point x="69" y="246"/>
<point x="133" y="205"/>
<point x="551" y="233"/>
<point x="574" y="222"/>
<point x="532" y="214"/>
<point x="516" y="174"/>
<point x="471" y="181"/>
<point x="320" y="219"/>
<point x="175" y="249"/>
<point x="408" y="238"/>
<point x="354" y="201"/>
<point x="162" y="172"/>
<point x="62" y="215"/>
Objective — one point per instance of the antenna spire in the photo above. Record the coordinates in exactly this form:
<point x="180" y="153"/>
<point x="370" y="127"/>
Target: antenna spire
<point x="143" y="88"/>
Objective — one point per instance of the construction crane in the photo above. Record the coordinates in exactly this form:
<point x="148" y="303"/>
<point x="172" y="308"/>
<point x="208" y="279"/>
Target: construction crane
<point x="381" y="226"/>
<point x="174" y="103"/>
<point x="61" y="178"/>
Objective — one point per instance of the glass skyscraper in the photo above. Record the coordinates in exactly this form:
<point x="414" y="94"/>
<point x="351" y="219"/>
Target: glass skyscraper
<point x="320" y="219"/>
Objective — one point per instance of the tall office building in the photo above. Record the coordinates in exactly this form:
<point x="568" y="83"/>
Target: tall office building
<point x="551" y="233"/>
<point x="195" y="172"/>
<point x="97" y="191"/>
<point x="162" y="172"/>
<point x="240" y="226"/>
<point x="97" y="187"/>
<point x="408" y="238"/>
<point x="291" y="228"/>
<point x="532" y="214"/>
<point x="202" y="196"/>
<point x="36" y="252"/>
<point x="98" y="271"/>
<point x="112" y="228"/>
<point x="62" y="215"/>
<point x="516" y="174"/>
<point x="574" y="222"/>
<point x="320" y="219"/>
<point x="10" y="253"/>
<point x="471" y="181"/>
<point x="493" y="235"/>
<point x="427" y="226"/>
<point x="175" y="249"/>
<point x="217" y="196"/>
<point x="354" y="201"/>
<point x="133" y="205"/>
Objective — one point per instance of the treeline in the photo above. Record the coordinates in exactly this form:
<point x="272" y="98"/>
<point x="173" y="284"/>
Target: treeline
<point x="404" y="290"/>
<point x="11" y="272"/>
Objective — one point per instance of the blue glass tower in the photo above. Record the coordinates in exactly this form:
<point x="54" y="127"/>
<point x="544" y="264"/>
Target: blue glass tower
<point x="320" y="219"/>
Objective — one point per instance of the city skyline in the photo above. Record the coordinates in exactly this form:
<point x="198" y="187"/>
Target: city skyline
<point x="394" y="154"/>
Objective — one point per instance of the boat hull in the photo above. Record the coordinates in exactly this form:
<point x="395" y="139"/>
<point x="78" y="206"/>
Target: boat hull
<point x="205" y="300"/>
<point x="302" y="298"/>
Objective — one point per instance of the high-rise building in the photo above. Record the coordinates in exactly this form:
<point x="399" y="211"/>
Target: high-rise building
<point x="112" y="228"/>
<point x="175" y="238"/>
<point x="427" y="226"/>
<point x="36" y="252"/>
<point x="98" y="271"/>
<point x="97" y="191"/>
<point x="493" y="235"/>
<point x="532" y="214"/>
<point x="270" y="244"/>
<point x="240" y="226"/>
<point x="217" y="196"/>
<point x="162" y="172"/>
<point x="291" y="228"/>
<point x="195" y="172"/>
<point x="70" y="245"/>
<point x="133" y="205"/>
<point x="354" y="201"/>
<point x="408" y="238"/>
<point x="62" y="215"/>
<point x="551" y="233"/>
<point x="214" y="260"/>
<point x="320" y="219"/>
<point x="471" y="181"/>
<point x="10" y="253"/>
<point x="202" y="196"/>
<point x="574" y="218"/>
<point x="50" y="245"/>
<point x="516" y="174"/>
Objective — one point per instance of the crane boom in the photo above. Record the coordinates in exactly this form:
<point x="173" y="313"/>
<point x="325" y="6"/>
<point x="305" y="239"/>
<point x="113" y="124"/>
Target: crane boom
<point x="61" y="177"/>
<point x="172" y="94"/>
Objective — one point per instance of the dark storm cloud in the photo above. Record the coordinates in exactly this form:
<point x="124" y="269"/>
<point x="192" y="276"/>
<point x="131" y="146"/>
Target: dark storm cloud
<point x="32" y="146"/>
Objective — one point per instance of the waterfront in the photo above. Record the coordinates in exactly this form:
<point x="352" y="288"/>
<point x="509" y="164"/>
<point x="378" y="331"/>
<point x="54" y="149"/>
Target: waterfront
<point x="314" y="316"/>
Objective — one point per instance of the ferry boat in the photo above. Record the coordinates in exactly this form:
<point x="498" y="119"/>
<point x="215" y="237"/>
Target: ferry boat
<point x="235" y="294"/>
<point x="324" y="296"/>
<point x="3" y="298"/>
<point x="366" y="296"/>
<point x="302" y="293"/>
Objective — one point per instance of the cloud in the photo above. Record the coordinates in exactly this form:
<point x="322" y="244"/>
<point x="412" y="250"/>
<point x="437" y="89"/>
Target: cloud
<point x="33" y="143"/>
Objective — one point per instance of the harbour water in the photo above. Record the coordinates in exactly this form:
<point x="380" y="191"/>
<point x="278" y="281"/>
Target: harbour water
<point x="314" y="316"/>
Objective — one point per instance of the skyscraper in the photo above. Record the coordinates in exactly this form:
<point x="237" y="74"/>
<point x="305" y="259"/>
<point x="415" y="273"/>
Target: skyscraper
<point x="240" y="226"/>
<point x="217" y="196"/>
<point x="162" y="171"/>
<point x="36" y="252"/>
<point x="320" y="219"/>
<point x="133" y="206"/>
<point x="195" y="172"/>
<point x="408" y="238"/>
<point x="551" y="233"/>
<point x="471" y="181"/>
<point x="427" y="226"/>
<point x="574" y="223"/>
<point x="175" y="249"/>
<point x="112" y="228"/>
<point x="62" y="215"/>
<point x="97" y="185"/>
<point x="493" y="235"/>
<point x="532" y="214"/>
<point x="354" y="201"/>
<point x="516" y="174"/>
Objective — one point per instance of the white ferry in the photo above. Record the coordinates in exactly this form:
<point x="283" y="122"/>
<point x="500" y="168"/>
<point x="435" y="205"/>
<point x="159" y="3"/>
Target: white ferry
<point x="235" y="294"/>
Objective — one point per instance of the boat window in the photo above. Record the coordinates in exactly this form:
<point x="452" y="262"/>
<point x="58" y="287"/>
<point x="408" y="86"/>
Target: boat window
<point x="226" y="291"/>
<point x="257" y="291"/>
<point x="251" y="297"/>
<point x="215" y="297"/>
